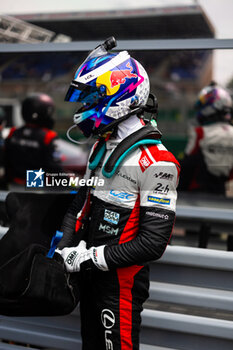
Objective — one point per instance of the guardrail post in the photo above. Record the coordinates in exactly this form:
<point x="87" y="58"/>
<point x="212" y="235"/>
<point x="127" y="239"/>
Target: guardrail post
<point x="204" y="235"/>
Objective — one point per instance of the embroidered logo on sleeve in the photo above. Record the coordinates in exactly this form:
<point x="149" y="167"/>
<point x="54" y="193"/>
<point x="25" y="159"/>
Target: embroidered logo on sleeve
<point x="144" y="161"/>
<point x="164" y="201"/>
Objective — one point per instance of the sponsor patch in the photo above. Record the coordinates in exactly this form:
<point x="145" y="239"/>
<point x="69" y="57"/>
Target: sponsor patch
<point x="108" y="229"/>
<point x="95" y="256"/>
<point x="126" y="177"/>
<point x="164" y="201"/>
<point x="107" y="318"/>
<point x="144" y="161"/>
<point x="119" y="77"/>
<point x="158" y="215"/>
<point x="71" y="258"/>
<point x="111" y="216"/>
<point x="162" y="189"/>
<point x="121" y="195"/>
<point x="108" y="321"/>
<point x="164" y="176"/>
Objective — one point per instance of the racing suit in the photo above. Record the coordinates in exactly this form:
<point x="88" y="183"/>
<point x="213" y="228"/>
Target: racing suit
<point x="132" y="215"/>
<point x="208" y="161"/>
<point x="30" y="147"/>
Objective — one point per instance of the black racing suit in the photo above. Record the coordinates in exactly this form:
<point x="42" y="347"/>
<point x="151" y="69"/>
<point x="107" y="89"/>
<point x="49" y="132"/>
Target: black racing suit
<point x="133" y="216"/>
<point x="30" y="148"/>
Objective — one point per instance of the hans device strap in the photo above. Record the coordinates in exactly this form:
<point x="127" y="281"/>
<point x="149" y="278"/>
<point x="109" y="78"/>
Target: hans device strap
<point x="146" y="135"/>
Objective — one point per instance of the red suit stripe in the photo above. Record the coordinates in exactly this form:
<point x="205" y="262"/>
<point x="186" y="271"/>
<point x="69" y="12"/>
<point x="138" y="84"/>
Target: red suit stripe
<point x="131" y="227"/>
<point x="126" y="281"/>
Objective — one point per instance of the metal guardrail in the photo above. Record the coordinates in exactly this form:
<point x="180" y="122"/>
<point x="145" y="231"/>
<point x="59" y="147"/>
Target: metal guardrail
<point x="189" y="331"/>
<point x="191" y="296"/>
<point x="57" y="333"/>
<point x="193" y="278"/>
<point x="5" y="346"/>
<point x="205" y="268"/>
<point x="60" y="333"/>
<point x="186" y="332"/>
<point x="173" y="281"/>
<point x="197" y="257"/>
<point x="214" y="215"/>
<point x="149" y="347"/>
<point x="150" y="44"/>
<point x="207" y="214"/>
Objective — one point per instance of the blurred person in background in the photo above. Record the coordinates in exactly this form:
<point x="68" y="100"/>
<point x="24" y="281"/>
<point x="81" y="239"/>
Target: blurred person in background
<point x="111" y="232"/>
<point x="32" y="146"/>
<point x="208" y="162"/>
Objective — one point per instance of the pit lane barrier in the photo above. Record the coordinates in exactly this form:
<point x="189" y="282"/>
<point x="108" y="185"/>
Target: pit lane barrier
<point x="204" y="213"/>
<point x="6" y="346"/>
<point x="185" y="277"/>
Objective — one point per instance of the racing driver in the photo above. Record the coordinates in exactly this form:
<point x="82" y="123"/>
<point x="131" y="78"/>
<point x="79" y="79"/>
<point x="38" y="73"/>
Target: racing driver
<point x="208" y="162"/>
<point x="111" y="232"/>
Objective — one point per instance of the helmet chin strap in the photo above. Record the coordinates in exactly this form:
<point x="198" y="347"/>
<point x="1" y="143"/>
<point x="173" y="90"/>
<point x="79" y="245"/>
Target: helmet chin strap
<point x="150" y="107"/>
<point x="76" y="141"/>
<point x="110" y="127"/>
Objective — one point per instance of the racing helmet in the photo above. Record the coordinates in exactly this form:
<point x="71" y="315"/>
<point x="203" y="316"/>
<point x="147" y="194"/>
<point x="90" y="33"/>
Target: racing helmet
<point x="38" y="109"/>
<point x="109" y="87"/>
<point x="214" y="104"/>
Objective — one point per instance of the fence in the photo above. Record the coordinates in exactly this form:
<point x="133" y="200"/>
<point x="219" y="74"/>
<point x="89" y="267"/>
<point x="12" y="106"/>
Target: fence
<point x="190" y="307"/>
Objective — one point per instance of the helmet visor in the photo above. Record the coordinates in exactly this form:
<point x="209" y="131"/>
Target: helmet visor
<point x="78" y="92"/>
<point x="97" y="52"/>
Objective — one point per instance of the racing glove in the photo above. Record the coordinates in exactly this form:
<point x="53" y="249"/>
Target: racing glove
<point x="75" y="256"/>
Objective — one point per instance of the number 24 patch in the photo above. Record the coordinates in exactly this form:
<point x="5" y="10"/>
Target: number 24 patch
<point x="160" y="188"/>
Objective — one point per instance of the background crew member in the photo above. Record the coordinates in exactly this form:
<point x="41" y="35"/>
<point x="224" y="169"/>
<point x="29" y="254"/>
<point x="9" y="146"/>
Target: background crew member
<point x="32" y="146"/>
<point x="208" y="161"/>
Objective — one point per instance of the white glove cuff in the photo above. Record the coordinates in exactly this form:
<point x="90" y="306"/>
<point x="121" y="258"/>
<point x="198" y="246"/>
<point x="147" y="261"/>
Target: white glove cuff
<point x="98" y="258"/>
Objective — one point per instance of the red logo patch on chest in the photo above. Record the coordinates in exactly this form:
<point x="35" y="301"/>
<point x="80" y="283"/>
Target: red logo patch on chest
<point x="144" y="160"/>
